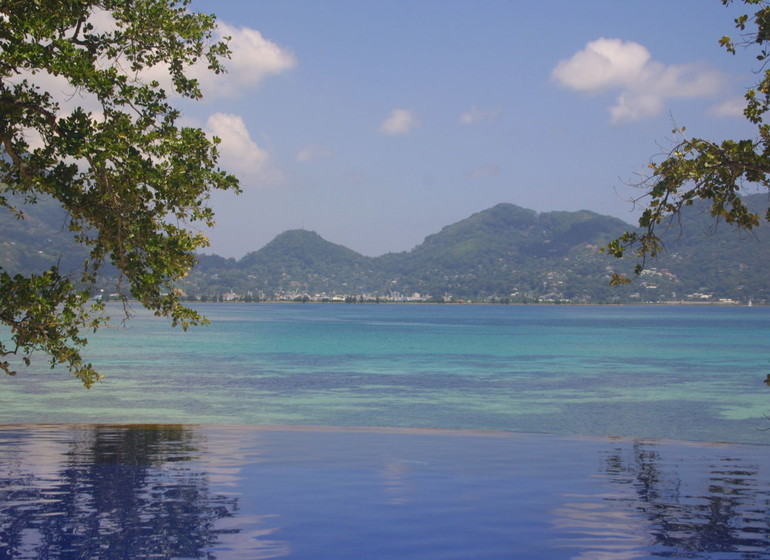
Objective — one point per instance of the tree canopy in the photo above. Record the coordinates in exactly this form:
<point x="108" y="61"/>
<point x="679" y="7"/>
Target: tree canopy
<point x="699" y="169"/>
<point x="86" y="120"/>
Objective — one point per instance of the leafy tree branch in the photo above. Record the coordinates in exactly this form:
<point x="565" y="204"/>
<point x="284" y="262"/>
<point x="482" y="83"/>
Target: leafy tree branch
<point x="131" y="181"/>
<point x="699" y="169"/>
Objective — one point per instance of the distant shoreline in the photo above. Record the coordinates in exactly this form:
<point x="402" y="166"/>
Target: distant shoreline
<point x="518" y="303"/>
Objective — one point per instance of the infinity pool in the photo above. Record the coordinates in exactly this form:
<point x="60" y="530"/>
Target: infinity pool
<point x="178" y="491"/>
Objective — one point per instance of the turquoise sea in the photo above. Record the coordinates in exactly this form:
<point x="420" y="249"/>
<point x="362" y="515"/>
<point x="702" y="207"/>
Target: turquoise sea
<point x="399" y="432"/>
<point x="683" y="372"/>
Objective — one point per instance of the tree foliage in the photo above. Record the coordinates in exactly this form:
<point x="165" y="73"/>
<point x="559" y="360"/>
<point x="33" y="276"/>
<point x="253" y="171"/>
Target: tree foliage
<point x="110" y="152"/>
<point x="699" y="169"/>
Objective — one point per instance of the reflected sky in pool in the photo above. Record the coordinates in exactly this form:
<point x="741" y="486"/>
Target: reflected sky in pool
<point x="175" y="491"/>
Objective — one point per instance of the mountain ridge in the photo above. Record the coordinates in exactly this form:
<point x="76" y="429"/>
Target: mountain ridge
<point x="508" y="253"/>
<point x="505" y="253"/>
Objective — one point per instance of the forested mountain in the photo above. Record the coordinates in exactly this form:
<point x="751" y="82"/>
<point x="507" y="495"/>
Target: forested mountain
<point x="38" y="241"/>
<point x="708" y="258"/>
<point x="506" y="253"/>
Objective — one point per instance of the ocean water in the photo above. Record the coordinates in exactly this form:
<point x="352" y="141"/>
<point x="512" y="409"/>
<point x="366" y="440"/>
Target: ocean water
<point x="398" y="432"/>
<point x="684" y="372"/>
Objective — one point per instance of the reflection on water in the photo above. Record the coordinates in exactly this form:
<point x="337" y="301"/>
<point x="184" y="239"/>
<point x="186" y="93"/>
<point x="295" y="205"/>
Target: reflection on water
<point x="163" y="492"/>
<point x="657" y="499"/>
<point x="106" y="493"/>
<point x="728" y="511"/>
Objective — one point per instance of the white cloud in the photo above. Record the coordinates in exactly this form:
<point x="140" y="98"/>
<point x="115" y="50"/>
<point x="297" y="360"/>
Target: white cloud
<point x="400" y="121"/>
<point x="731" y="108"/>
<point x="644" y="85"/>
<point x="253" y="58"/>
<point x="603" y="64"/>
<point x="632" y="106"/>
<point x="312" y="152"/>
<point x="240" y="155"/>
<point x="475" y="115"/>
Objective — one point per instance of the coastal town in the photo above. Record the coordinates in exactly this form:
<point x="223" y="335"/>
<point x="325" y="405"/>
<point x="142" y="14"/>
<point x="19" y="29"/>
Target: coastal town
<point x="653" y="286"/>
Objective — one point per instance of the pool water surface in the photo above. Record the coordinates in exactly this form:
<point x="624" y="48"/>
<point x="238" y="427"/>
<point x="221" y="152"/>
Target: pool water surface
<point x="218" y="492"/>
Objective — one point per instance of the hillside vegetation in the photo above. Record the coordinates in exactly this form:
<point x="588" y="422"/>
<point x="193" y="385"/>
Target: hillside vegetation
<point x="506" y="254"/>
<point x="503" y="254"/>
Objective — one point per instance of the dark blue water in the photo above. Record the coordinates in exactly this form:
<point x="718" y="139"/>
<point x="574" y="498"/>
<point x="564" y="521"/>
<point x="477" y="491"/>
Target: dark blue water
<point x="142" y="492"/>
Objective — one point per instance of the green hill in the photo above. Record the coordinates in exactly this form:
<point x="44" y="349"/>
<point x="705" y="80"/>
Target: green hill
<point x="38" y="241"/>
<point x="716" y="259"/>
<point x="508" y="251"/>
<point x="300" y="261"/>
<point x="505" y="253"/>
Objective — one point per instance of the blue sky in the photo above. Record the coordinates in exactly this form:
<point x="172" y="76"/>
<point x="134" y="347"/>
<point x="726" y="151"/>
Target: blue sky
<point x="376" y="123"/>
